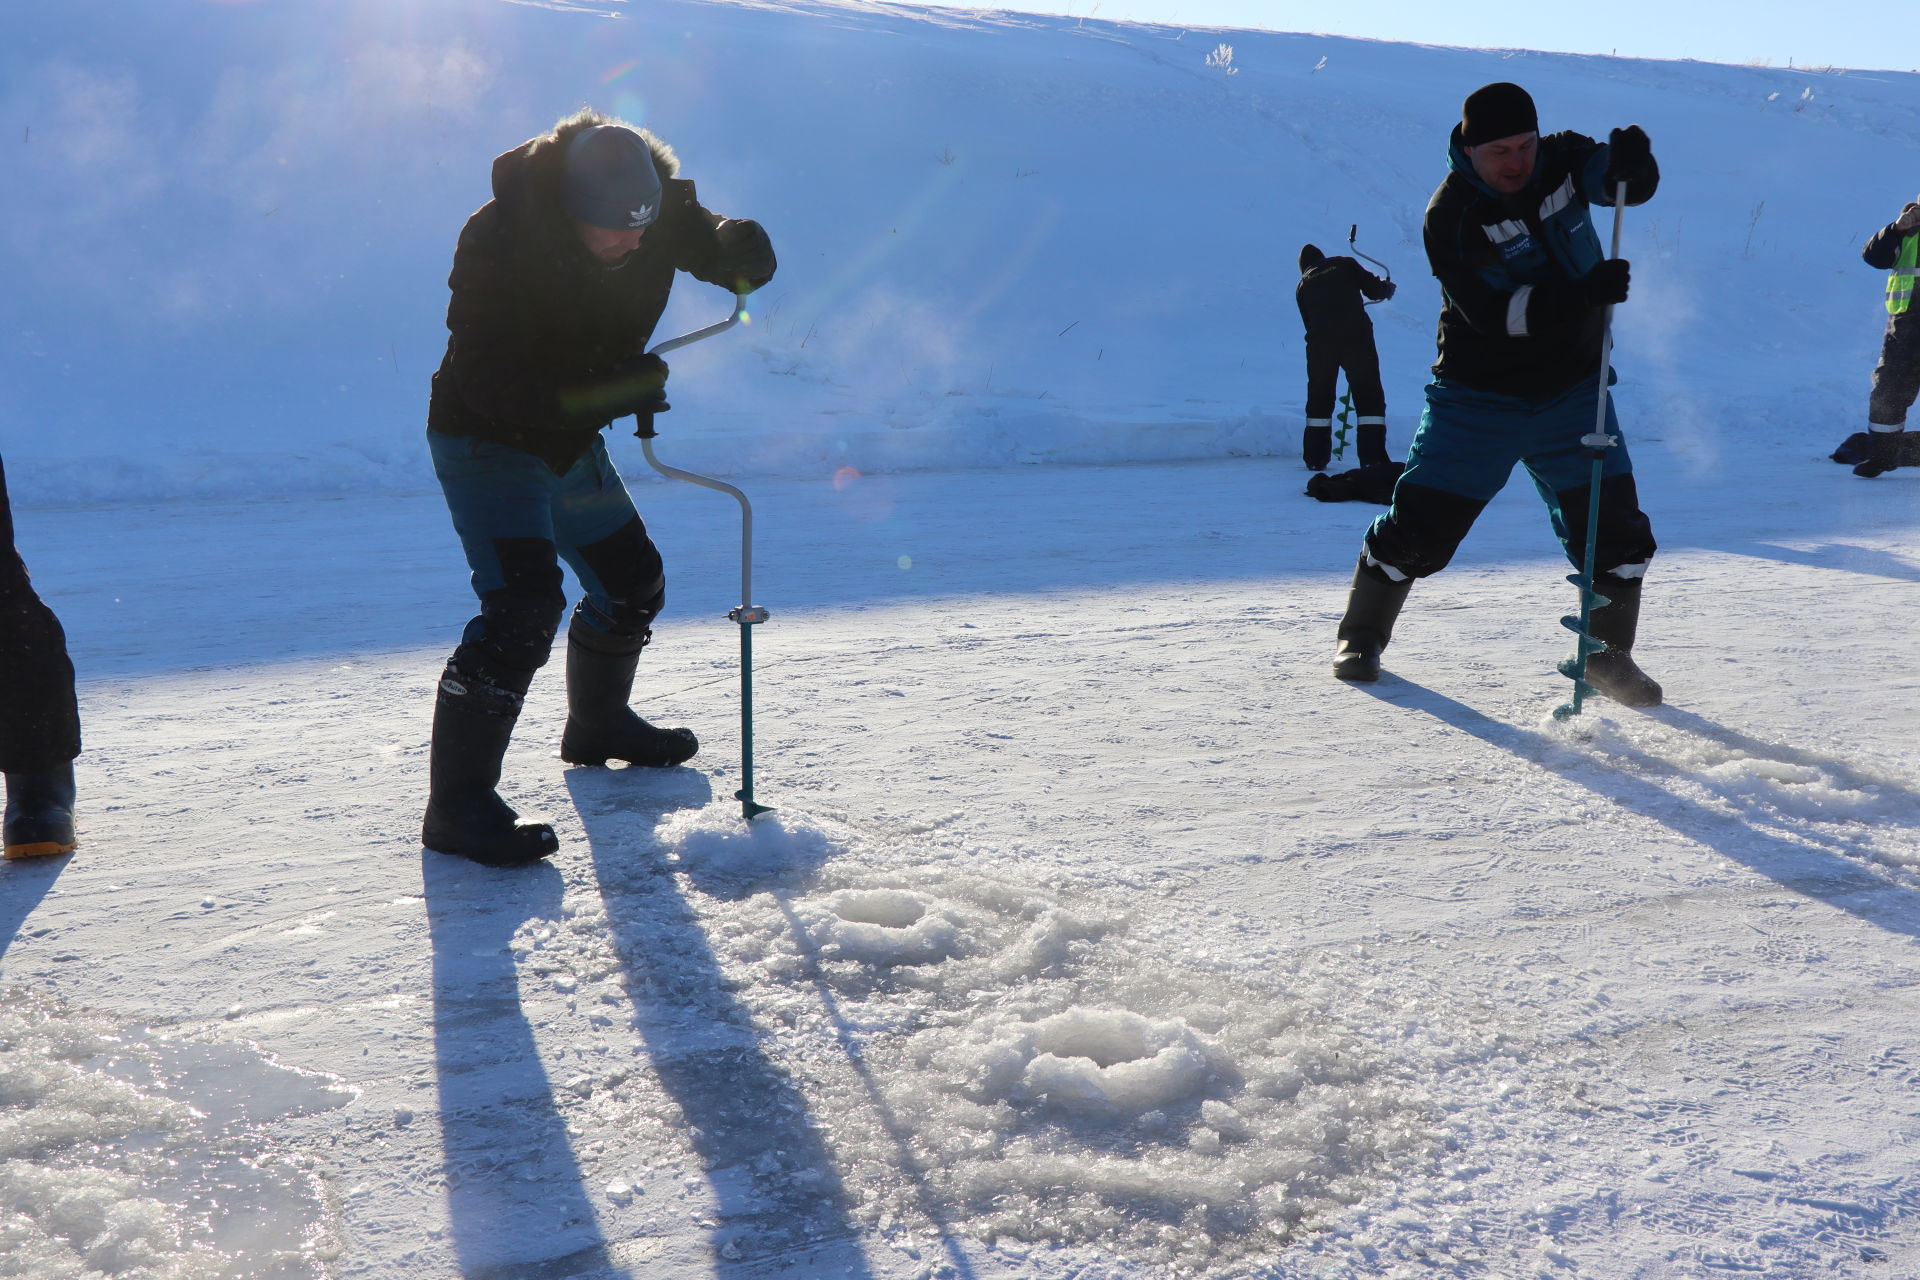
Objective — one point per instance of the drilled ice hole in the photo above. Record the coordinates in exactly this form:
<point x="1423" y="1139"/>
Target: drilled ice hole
<point x="1109" y="1060"/>
<point x="888" y="908"/>
<point x="1104" y="1037"/>
<point x="887" y="927"/>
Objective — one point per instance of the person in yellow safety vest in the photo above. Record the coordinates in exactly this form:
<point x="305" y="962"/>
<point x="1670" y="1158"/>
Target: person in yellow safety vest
<point x="1896" y="379"/>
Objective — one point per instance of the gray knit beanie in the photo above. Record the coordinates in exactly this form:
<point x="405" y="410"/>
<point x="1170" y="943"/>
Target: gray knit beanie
<point x="610" y="180"/>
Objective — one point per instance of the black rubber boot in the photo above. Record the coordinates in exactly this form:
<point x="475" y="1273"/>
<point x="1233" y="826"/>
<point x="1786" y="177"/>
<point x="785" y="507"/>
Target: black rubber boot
<point x="472" y="723"/>
<point x="1372" y="446"/>
<point x="39" y="821"/>
<point x="1372" y="606"/>
<point x="1613" y="671"/>
<point x="600" y="725"/>
<point x="1316" y="447"/>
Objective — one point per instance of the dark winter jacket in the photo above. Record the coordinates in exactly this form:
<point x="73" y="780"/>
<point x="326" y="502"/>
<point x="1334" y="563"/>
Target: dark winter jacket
<point x="1884" y="249"/>
<point x="1512" y="321"/>
<point x="1329" y="295"/>
<point x="542" y="335"/>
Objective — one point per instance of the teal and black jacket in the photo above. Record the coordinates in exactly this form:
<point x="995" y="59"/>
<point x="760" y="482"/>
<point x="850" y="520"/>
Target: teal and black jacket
<point x="1513" y="321"/>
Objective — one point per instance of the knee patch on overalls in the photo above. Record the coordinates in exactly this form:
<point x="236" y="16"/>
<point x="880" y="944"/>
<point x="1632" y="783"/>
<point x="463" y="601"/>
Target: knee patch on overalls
<point x="1626" y="535"/>
<point x="517" y="622"/>
<point x="633" y="580"/>
<point x="1420" y="532"/>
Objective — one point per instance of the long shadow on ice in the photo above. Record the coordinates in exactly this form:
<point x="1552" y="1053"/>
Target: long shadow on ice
<point x="777" y="1194"/>
<point x="765" y="858"/>
<point x="908" y="1161"/>
<point x="515" y="1196"/>
<point x="1845" y="557"/>
<point x="23" y="884"/>
<point x="384" y="575"/>
<point x="1796" y="861"/>
<point x="378" y="576"/>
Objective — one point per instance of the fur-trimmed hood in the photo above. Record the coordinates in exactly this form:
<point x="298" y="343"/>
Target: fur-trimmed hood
<point x="526" y="180"/>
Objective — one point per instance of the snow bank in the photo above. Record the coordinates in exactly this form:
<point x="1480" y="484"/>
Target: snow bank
<point x="1004" y="239"/>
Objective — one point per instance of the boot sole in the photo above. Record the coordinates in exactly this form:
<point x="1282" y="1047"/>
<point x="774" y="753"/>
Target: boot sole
<point x="600" y="762"/>
<point x="1642" y="702"/>
<point x="41" y="848"/>
<point x="497" y="849"/>
<point x="598" y="759"/>
<point x="1356" y="668"/>
<point x="487" y="860"/>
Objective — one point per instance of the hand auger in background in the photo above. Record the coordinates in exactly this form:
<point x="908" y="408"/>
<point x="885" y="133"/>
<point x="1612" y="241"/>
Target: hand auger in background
<point x="1597" y="443"/>
<point x="1353" y="229"/>
<point x="748" y="613"/>
<point x="1346" y="397"/>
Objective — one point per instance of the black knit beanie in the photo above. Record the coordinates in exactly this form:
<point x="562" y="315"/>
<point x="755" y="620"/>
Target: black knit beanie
<point x="1498" y="110"/>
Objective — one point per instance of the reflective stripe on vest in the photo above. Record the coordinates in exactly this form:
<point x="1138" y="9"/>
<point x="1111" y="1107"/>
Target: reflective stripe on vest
<point x="1905" y="268"/>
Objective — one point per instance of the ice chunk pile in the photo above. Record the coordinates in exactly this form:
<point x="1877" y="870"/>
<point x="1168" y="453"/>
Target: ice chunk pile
<point x="126" y="1154"/>
<point x="1020" y="1064"/>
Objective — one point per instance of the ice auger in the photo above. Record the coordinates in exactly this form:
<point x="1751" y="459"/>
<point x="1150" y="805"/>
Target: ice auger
<point x="1597" y="442"/>
<point x="1353" y="229"/>
<point x="748" y="614"/>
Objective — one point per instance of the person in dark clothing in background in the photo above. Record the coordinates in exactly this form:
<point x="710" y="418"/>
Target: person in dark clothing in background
<point x="1340" y="336"/>
<point x="1896" y="379"/>
<point x="1525" y="284"/>
<point x="557" y="284"/>
<point x="39" y="716"/>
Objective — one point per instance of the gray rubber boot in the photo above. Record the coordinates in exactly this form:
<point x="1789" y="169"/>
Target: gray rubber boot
<point x="1613" y="671"/>
<point x="473" y="721"/>
<point x="39" y="818"/>
<point x="1373" y="605"/>
<point x="1372" y="446"/>
<point x="600" y="724"/>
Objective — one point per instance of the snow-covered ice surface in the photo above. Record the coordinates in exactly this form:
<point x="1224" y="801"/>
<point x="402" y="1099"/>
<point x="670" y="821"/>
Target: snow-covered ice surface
<point x="127" y="1153"/>
<point x="1098" y="931"/>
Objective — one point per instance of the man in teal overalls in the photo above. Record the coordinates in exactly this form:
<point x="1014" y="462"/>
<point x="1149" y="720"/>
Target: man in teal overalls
<point x="1525" y="284"/>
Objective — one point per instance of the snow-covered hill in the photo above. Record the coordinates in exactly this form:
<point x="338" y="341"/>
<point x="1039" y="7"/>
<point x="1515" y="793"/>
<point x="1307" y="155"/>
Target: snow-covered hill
<point x="1004" y="239"/>
<point x="1099" y="934"/>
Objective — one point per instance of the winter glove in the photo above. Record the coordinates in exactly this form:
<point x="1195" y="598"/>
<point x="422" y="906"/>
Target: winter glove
<point x="1909" y="219"/>
<point x="639" y="389"/>
<point x="1606" y="284"/>
<point x="636" y="387"/>
<point x="746" y="254"/>
<point x="1391" y="289"/>
<point x="1883" y="453"/>
<point x="1629" y="155"/>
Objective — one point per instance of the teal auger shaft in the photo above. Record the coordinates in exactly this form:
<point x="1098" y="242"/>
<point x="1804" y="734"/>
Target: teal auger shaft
<point x="749" y="809"/>
<point x="1585" y="646"/>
